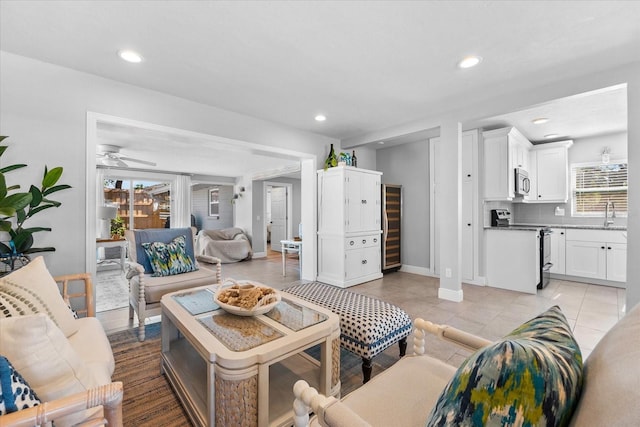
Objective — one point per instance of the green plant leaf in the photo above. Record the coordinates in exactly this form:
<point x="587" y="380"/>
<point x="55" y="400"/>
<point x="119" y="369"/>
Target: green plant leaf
<point x="21" y="215"/>
<point x="37" y="196"/>
<point x="40" y="208"/>
<point x="5" y="225"/>
<point x="3" y="187"/>
<point x="23" y="241"/>
<point x="3" y="149"/>
<point x="17" y="200"/>
<point x="13" y="187"/>
<point x="12" y="167"/>
<point x="51" y="177"/>
<point x="4" y="249"/>
<point x="7" y="212"/>
<point x="35" y="229"/>
<point x="55" y="188"/>
<point x="36" y="250"/>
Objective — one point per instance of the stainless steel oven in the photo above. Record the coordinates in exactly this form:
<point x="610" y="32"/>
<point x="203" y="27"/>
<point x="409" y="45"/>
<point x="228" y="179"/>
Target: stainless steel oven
<point x="545" y="257"/>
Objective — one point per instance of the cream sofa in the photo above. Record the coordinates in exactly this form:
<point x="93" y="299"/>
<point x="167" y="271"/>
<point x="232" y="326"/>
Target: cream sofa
<point x="67" y="361"/>
<point x="145" y="290"/>
<point x="405" y="394"/>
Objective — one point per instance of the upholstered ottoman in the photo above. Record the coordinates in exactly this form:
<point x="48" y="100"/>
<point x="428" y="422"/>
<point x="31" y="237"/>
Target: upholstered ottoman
<point x="367" y="325"/>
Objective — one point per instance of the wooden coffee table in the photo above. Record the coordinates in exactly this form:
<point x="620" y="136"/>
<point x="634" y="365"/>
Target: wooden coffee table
<point x="233" y="370"/>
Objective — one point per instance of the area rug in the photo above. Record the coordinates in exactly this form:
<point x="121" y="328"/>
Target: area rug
<point x="149" y="399"/>
<point x="112" y="290"/>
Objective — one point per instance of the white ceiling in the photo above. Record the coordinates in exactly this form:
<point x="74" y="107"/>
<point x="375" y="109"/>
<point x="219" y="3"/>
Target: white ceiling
<point x="365" y="65"/>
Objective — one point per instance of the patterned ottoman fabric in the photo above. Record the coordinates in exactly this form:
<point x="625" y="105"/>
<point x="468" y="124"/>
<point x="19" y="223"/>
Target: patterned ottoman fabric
<point x="367" y="325"/>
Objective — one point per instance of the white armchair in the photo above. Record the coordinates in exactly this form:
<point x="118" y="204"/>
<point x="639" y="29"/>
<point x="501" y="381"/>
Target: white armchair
<point x="534" y="375"/>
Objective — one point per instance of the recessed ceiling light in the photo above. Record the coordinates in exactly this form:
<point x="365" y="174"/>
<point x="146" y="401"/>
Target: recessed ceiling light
<point x="469" y="61"/>
<point x="321" y="118"/>
<point x="539" y="120"/>
<point x="130" y="56"/>
<point x="381" y="142"/>
<point x="551" y="135"/>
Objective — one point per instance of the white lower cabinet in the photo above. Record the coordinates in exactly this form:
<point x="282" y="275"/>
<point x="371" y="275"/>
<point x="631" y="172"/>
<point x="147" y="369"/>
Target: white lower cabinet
<point x="349" y="261"/>
<point x="597" y="254"/>
<point x="513" y="259"/>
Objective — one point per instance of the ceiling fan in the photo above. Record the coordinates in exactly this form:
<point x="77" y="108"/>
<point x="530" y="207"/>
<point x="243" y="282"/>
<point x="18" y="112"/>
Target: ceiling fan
<point x="109" y="155"/>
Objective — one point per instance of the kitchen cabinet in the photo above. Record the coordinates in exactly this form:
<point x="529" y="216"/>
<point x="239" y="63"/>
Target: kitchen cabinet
<point x="597" y="254"/>
<point x="504" y="150"/>
<point x="549" y="173"/>
<point x="513" y="259"/>
<point x="558" y="241"/>
<point x="349" y="226"/>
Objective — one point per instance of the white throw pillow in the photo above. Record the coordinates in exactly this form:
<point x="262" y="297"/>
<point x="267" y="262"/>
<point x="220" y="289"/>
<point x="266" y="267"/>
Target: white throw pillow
<point x="31" y="290"/>
<point x="39" y="350"/>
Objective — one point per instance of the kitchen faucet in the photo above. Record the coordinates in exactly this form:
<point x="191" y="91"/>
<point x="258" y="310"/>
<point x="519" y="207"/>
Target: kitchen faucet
<point x="608" y="222"/>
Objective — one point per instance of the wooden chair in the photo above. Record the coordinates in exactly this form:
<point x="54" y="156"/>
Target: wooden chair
<point x="108" y="396"/>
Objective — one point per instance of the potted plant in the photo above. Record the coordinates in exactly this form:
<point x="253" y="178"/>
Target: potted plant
<point x="18" y="207"/>
<point x="117" y="228"/>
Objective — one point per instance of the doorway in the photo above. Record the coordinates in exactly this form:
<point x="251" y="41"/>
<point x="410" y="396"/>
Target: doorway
<point x="277" y="213"/>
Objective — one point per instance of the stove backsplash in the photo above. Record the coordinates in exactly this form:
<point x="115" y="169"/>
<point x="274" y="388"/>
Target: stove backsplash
<point x="545" y="213"/>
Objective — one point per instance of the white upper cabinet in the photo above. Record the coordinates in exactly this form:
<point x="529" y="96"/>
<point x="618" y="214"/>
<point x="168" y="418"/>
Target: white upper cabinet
<point x="504" y="150"/>
<point x="549" y="173"/>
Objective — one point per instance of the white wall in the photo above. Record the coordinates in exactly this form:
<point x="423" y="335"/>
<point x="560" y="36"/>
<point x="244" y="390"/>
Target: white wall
<point x="408" y="165"/>
<point x="200" y="208"/>
<point x="43" y="108"/>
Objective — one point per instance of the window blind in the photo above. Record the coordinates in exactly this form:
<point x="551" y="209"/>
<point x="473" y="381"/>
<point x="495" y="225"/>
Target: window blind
<point x="596" y="184"/>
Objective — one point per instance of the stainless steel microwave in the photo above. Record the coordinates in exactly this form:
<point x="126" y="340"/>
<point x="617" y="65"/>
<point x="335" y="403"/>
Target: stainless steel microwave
<point x="523" y="184"/>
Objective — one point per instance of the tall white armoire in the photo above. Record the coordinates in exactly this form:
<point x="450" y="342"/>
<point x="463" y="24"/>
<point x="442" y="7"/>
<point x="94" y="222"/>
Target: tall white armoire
<point x="349" y="227"/>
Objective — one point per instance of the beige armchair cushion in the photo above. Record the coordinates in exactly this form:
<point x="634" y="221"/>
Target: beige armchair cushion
<point x="38" y="349"/>
<point x="612" y="377"/>
<point x="421" y="375"/>
<point x="92" y="345"/>
<point x="156" y="287"/>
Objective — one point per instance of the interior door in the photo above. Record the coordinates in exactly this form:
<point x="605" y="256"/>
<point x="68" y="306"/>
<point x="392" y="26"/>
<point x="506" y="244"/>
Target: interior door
<point x="278" y="217"/>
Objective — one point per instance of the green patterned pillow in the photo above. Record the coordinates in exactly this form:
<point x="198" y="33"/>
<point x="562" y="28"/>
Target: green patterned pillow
<point x="168" y="259"/>
<point x="532" y="377"/>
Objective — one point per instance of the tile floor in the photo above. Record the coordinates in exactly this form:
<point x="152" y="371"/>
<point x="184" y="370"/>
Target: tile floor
<point x="488" y="312"/>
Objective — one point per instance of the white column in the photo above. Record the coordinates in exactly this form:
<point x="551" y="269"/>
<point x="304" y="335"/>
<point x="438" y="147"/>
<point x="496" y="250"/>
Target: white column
<point x="633" y="220"/>
<point x="449" y="206"/>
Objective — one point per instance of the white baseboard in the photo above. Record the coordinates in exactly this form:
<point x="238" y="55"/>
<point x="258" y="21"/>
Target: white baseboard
<point x="417" y="270"/>
<point x="259" y="255"/>
<point x="450" y="295"/>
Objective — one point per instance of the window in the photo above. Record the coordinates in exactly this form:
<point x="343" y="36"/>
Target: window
<point x="214" y="202"/>
<point x="595" y="184"/>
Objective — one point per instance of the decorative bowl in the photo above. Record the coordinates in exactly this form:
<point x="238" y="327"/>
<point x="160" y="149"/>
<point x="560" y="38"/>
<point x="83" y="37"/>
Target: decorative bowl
<point x="247" y="290"/>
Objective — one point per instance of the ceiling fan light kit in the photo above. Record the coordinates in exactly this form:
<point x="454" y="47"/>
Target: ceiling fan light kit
<point x="109" y="155"/>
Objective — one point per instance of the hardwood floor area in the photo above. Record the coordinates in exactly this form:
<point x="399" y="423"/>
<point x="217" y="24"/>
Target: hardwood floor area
<point x="492" y="313"/>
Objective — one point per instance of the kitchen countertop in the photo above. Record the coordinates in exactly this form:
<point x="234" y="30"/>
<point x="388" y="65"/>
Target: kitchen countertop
<point x="537" y="227"/>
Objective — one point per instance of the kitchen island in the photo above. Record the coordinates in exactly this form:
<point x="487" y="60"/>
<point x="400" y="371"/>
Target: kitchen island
<point x="513" y="258"/>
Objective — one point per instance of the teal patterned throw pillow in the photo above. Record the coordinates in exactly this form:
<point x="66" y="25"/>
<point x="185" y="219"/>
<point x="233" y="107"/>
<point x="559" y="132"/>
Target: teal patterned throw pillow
<point x="532" y="377"/>
<point x="168" y="259"/>
<point x="15" y="393"/>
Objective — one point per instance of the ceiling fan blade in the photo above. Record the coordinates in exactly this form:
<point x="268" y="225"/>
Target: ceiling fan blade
<point x="111" y="161"/>
<point x="145" y="162"/>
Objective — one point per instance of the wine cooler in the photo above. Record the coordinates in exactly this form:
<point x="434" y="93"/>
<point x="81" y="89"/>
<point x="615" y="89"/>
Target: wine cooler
<point x="391" y="227"/>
